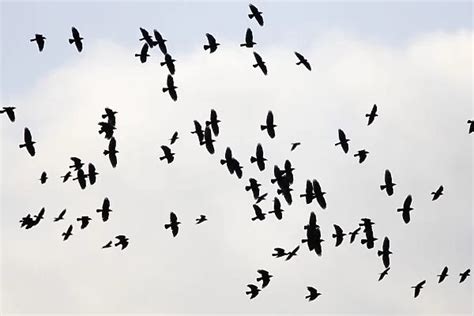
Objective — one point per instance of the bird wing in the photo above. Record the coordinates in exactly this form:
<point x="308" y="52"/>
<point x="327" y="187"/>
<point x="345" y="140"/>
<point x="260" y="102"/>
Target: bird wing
<point x="166" y="150"/>
<point x="11" y="114"/>
<point x="27" y="135"/>
<point x="257" y="209"/>
<point x="75" y="33"/>
<point x="106" y="204"/>
<point x="144" y="50"/>
<point x="299" y="56"/>
<point x="173" y="217"/>
<point x="406" y="216"/>
<point x="270" y="113"/>
<point x="211" y="39"/>
<point x="249" y="36"/>
<point x="407" y="203"/>
<point x="170" y="81"/>
<point x="342" y="136"/>
<point x="276" y="204"/>
<point x="388" y="176"/>
<point x="259" y="153"/>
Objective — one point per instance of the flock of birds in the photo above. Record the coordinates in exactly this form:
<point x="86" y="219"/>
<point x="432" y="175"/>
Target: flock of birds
<point x="206" y="135"/>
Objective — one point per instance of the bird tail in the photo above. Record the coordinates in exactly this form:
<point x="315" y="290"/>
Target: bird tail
<point x="206" y="47"/>
<point x="164" y="89"/>
<point x="337" y="144"/>
<point x="161" y="158"/>
<point x="273" y="180"/>
<point x="367" y="115"/>
<point x="71" y="41"/>
<point x="222" y="162"/>
<point x="167" y="226"/>
<point x="263" y="127"/>
<point x="247" y="188"/>
<point x="106" y="152"/>
<point x="163" y="63"/>
<point x="137" y="55"/>
<point x="383" y="187"/>
<point x="250" y="16"/>
<point x="253" y="159"/>
<point x="255" y="65"/>
<point x="243" y="45"/>
<point x="33" y="39"/>
<point x="22" y="145"/>
<point x="299" y="63"/>
<point x="363" y="241"/>
<point x="379" y="253"/>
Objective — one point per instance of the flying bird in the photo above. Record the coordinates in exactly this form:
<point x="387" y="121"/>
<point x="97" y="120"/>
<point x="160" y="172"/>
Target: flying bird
<point x="319" y="194"/>
<point x="258" y="213"/>
<point x="199" y="132"/>
<point x="43" y="177"/>
<point x="254" y="186"/>
<point x="343" y="141"/>
<point x="110" y="116"/>
<point x="212" y="44"/>
<point x="67" y="233"/>
<point x="105" y="210"/>
<point x="29" y="143"/>
<point x="169" y="62"/>
<point x="260" y="63"/>
<point x="279" y="252"/>
<point x="385" y="252"/>
<point x="208" y="141"/>
<point x="173" y="224"/>
<point x="81" y="178"/>
<point x="388" y="186"/>
<point x="107" y="129"/>
<point x="339" y="235"/>
<point x="66" y="176"/>
<point x="171" y="88"/>
<point x="277" y="210"/>
<point x="471" y="126"/>
<point x="384" y="273"/>
<point x="214" y="122"/>
<point x="464" y="275"/>
<point x="313" y="294"/>
<point x="256" y="14"/>
<point x="143" y="53"/>
<point x="437" y="193"/>
<point x="372" y="115"/>
<point x="201" y="219"/>
<point x="303" y="61"/>
<point x="248" y="39"/>
<point x="122" y="241"/>
<point x="92" y="174"/>
<point x="309" y="194"/>
<point x="362" y="154"/>
<point x="406" y="209"/>
<point x="261" y="198"/>
<point x="265" y="277"/>
<point x="60" y="216"/>
<point x="289" y="172"/>
<point x="77" y="163"/>
<point x="147" y="38"/>
<point x="228" y="160"/>
<point x="112" y="152"/>
<point x="294" y="145"/>
<point x="353" y="234"/>
<point x="418" y="287"/>
<point x="160" y="41"/>
<point x="107" y="245"/>
<point x="259" y="158"/>
<point x="168" y="155"/>
<point x="292" y="253"/>
<point x="39" y="39"/>
<point x="10" y="110"/>
<point x="270" y="125"/>
<point x="76" y="39"/>
<point x="253" y="290"/>
<point x="174" y="138"/>
<point x="443" y="275"/>
<point x="84" y="221"/>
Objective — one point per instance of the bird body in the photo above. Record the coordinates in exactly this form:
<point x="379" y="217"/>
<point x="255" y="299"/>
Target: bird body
<point x="112" y="152"/>
<point x="464" y="275"/>
<point x="105" y="210"/>
<point x="174" y="138"/>
<point x="201" y="219"/>
<point x="437" y="193"/>
<point x="384" y="273"/>
<point x="122" y="241"/>
<point x="385" y="252"/>
<point x="277" y="210"/>
<point x="67" y="233"/>
<point x="60" y="216"/>
<point x="258" y="213"/>
<point x="443" y="275"/>
<point x="265" y="277"/>
<point x="10" y="110"/>
<point x="362" y="154"/>
<point x="254" y="290"/>
<point x="339" y="235"/>
<point x="248" y="39"/>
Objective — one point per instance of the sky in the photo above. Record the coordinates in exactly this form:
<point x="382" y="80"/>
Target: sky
<point x="413" y="59"/>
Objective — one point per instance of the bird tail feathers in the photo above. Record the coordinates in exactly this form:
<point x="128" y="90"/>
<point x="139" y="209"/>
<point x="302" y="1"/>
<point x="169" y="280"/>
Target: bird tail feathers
<point x="383" y="187"/>
<point x="167" y="226"/>
<point x="253" y="159"/>
<point x="71" y="41"/>
<point x="106" y="152"/>
<point x="22" y="145"/>
<point x="165" y="89"/>
<point x="206" y="47"/>
<point x="263" y="127"/>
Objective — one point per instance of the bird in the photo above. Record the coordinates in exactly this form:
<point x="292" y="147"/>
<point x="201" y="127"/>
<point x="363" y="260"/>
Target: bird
<point x="313" y="294"/>
<point x="201" y="219"/>
<point x="437" y="193"/>
<point x="253" y="290"/>
<point x="77" y="163"/>
<point x="169" y="62"/>
<point x="260" y="63"/>
<point x="173" y="224"/>
<point x="256" y="14"/>
<point x="259" y="158"/>
<point x="471" y="126"/>
<point x="261" y="198"/>
<point x="143" y="53"/>
<point x="385" y="252"/>
<point x="270" y="125"/>
<point x="258" y="213"/>
<point x="418" y="287"/>
<point x="303" y="61"/>
<point x="110" y="116"/>
<point x="279" y="252"/>
<point x="147" y="38"/>
<point x="107" y="245"/>
<point x="39" y="217"/>
<point x="66" y="176"/>
<point x="248" y="39"/>
<point x="343" y="141"/>
<point x="43" y="177"/>
<point x="406" y="209"/>
<point x="174" y="138"/>
<point x="168" y="155"/>
<point x="319" y="194"/>
<point x="372" y="115"/>
<point x="105" y="210"/>
<point x="214" y="122"/>
<point x="388" y="186"/>
<point x="199" y="132"/>
<point x="254" y="186"/>
<point x="292" y="253"/>
<point x="39" y="39"/>
<point x="10" y="110"/>
<point x="60" y="216"/>
<point x="92" y="174"/>
<point x="29" y="143"/>
<point x="122" y="241"/>
<point x="84" y="221"/>
<point x="208" y="141"/>
<point x="362" y="154"/>
<point x="67" y="233"/>
<point x="112" y="152"/>
<point x="265" y="277"/>
<point x="339" y="235"/>
<point x="277" y="210"/>
<point x="443" y="275"/>
<point x="81" y="178"/>
<point x="212" y="44"/>
<point x="384" y="273"/>
<point x="228" y="159"/>
<point x="353" y="234"/>
<point x="309" y="194"/>
<point x="160" y="41"/>
<point x="294" y="145"/>
<point x="76" y="39"/>
<point x="171" y="88"/>
<point x="27" y="222"/>
<point x="289" y="171"/>
<point x="464" y="275"/>
<point x="107" y="128"/>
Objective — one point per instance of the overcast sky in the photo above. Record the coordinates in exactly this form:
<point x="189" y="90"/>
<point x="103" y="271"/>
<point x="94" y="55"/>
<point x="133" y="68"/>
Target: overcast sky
<point x="414" y="60"/>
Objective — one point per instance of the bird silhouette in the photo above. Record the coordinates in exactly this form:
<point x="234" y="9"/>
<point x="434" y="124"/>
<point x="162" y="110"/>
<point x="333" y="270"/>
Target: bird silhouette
<point x="277" y="210"/>
<point x="260" y="63"/>
<point x="248" y="39"/>
<point x="289" y="171"/>
<point x="385" y="252"/>
<point x="228" y="160"/>
<point x="38" y="217"/>
<point x="67" y="233"/>
<point x="29" y="143"/>
<point x="253" y="290"/>
<point x="201" y="219"/>
<point x="388" y="186"/>
<point x="212" y="44"/>
<point x="171" y="88"/>
<point x="261" y="198"/>
<point x="343" y="141"/>
<point x="10" y="111"/>
<point x="147" y="38"/>
<point x="105" y="210"/>
<point x="43" y="177"/>
<point x="107" y="245"/>
<point x="168" y="155"/>
<point x="76" y="39"/>
<point x="60" y="216"/>
<point x="362" y="154"/>
<point x="372" y="115"/>
<point x="259" y="158"/>
<point x="256" y="14"/>
<point x="214" y="122"/>
<point x="174" y="138"/>
<point x="112" y="152"/>
<point x="294" y="145"/>
<point x="110" y="116"/>
<point x="339" y="235"/>
<point x="66" y="176"/>
<point x="208" y="141"/>
<point x="169" y="62"/>
<point x="313" y="294"/>
<point x="353" y="234"/>
<point x="92" y="174"/>
<point x="27" y="222"/>
<point x="406" y="209"/>
<point x="443" y="275"/>
<point x="143" y="53"/>
<point x="279" y="252"/>
<point x="471" y="126"/>
<point x="319" y="194"/>
<point x="107" y="129"/>
<point x="270" y="125"/>
<point x="265" y="277"/>
<point x="81" y="178"/>
<point x="437" y="193"/>
<point x="369" y="234"/>
<point x="235" y="165"/>
<point x="39" y="39"/>
<point x="160" y="41"/>
<point x="464" y="275"/>
<point x="418" y="287"/>
<point x="384" y="273"/>
<point x="122" y="241"/>
<point x="258" y="213"/>
<point x="254" y="186"/>
<point x="199" y="132"/>
<point x="84" y="221"/>
<point x="292" y="253"/>
<point x="173" y="224"/>
<point x="309" y="193"/>
<point x="77" y="163"/>
<point x="302" y="61"/>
